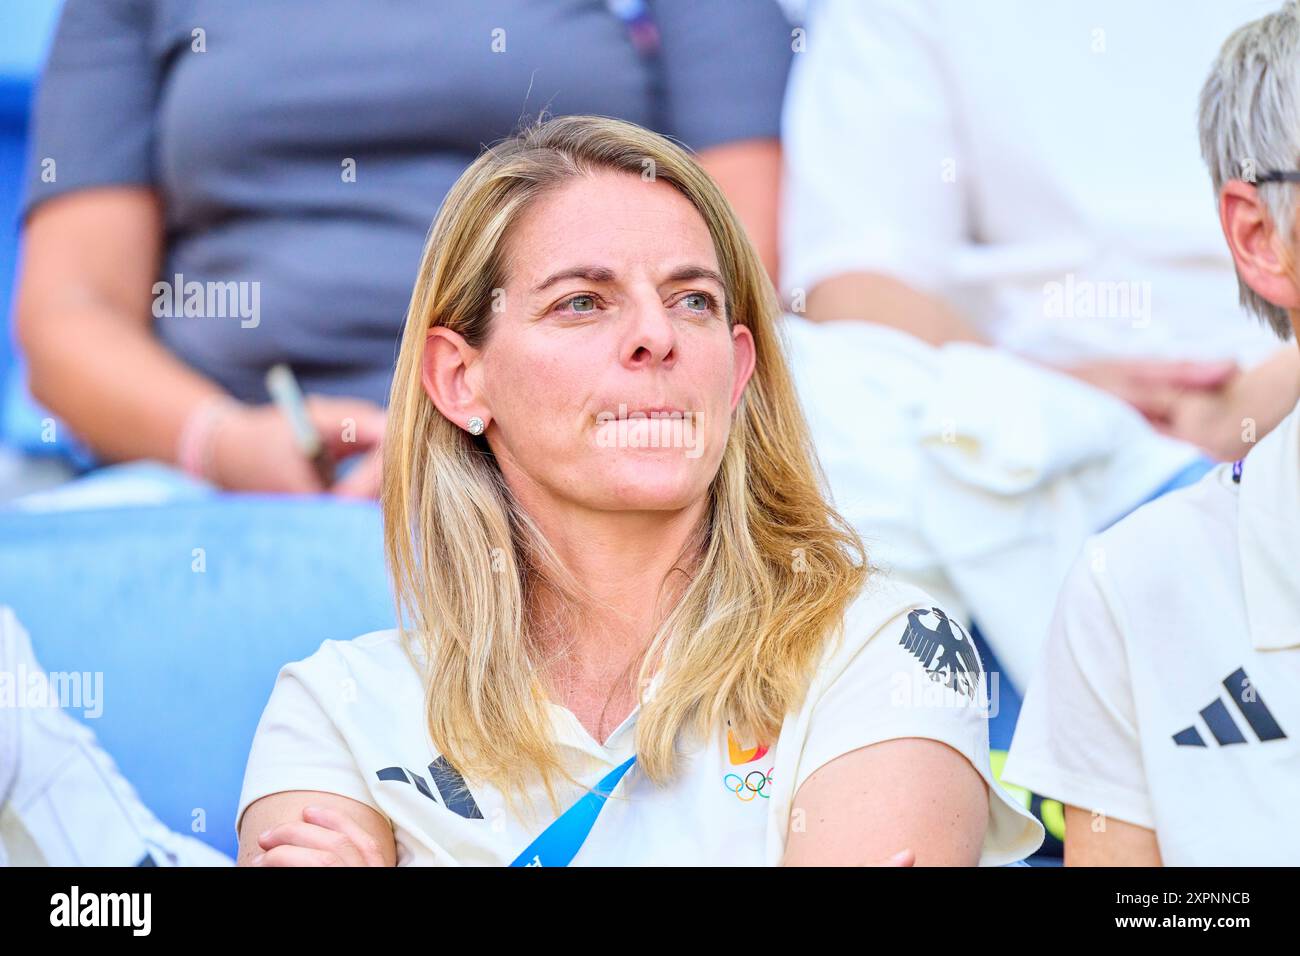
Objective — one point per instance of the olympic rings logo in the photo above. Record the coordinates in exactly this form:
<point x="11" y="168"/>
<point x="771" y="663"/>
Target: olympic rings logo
<point x="752" y="785"/>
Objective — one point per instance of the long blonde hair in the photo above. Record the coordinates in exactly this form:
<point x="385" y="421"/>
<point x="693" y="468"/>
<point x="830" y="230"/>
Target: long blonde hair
<point x="775" y="566"/>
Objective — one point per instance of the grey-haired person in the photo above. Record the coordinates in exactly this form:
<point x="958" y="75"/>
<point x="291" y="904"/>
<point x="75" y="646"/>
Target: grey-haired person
<point x="1166" y="709"/>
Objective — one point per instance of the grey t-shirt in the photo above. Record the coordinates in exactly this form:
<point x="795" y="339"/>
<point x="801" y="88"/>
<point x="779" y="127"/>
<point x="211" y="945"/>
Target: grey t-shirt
<point x="250" y="118"/>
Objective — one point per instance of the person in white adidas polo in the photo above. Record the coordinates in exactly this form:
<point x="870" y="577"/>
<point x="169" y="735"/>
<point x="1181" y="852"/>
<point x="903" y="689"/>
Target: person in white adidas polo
<point x="1165" y="713"/>
<point x="636" y="631"/>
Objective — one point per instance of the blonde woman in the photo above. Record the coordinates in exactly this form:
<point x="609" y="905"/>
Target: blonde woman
<point x="634" y="630"/>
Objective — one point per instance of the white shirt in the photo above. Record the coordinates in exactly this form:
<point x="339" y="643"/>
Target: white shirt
<point x="971" y="481"/>
<point x="1035" y="164"/>
<point x="63" y="800"/>
<point x="1169" y="691"/>
<point x="349" y="720"/>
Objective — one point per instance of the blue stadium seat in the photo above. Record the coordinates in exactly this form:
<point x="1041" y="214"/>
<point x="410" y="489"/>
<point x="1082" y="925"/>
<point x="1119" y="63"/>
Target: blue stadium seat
<point x="189" y="610"/>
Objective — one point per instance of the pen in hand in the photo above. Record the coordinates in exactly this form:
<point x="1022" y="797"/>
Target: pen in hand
<point x="288" y="397"/>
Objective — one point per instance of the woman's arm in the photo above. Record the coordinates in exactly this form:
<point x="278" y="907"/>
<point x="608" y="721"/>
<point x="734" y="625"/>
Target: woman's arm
<point x="908" y="793"/>
<point x="85" y="321"/>
<point x="879" y="298"/>
<point x="313" y="828"/>
<point x="1116" y="844"/>
<point x="90" y="259"/>
<point x="1228" y="420"/>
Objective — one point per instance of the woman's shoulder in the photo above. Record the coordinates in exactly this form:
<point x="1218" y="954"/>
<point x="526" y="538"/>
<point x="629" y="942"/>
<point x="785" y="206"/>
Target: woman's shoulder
<point x="897" y="628"/>
<point x="905" y="668"/>
<point x="884" y="601"/>
<point x="380" y="655"/>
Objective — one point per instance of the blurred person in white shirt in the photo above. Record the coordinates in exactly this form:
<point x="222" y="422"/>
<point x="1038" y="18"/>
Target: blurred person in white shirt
<point x="1166" y="711"/>
<point x="1024" y="175"/>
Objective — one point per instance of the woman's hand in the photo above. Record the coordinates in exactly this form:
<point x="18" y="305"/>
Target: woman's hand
<point x="363" y="481"/>
<point x="901" y="858"/>
<point x="254" y="447"/>
<point x="1152" y="386"/>
<point x="324" y="837"/>
<point x="1227" y="421"/>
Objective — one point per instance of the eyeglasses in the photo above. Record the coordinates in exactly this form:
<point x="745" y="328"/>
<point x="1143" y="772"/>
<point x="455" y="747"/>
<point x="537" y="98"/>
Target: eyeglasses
<point x="1278" y="176"/>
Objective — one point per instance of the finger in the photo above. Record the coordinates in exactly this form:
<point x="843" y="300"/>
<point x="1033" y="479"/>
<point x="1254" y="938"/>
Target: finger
<point x="352" y="437"/>
<point x="901" y="858"/>
<point x="295" y="856"/>
<point x="357" y="835"/>
<point x="363" y="481"/>
<point x="312" y="837"/>
<point x="347" y="436"/>
<point x="1186" y="374"/>
<point x="1107" y="377"/>
<point x="348" y="425"/>
<point x="1207" y="375"/>
<point x="1156" y="403"/>
<point x="296" y="474"/>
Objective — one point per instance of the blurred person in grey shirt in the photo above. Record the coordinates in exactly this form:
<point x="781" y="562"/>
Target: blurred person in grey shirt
<point x="216" y="188"/>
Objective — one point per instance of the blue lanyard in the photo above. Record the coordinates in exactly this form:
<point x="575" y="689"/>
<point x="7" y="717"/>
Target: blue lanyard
<point x="559" y="843"/>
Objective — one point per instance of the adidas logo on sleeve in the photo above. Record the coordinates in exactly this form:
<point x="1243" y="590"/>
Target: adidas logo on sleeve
<point x="1225" y="731"/>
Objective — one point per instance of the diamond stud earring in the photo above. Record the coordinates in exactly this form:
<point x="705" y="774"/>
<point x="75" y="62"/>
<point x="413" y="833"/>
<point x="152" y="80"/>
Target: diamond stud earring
<point x="475" y="425"/>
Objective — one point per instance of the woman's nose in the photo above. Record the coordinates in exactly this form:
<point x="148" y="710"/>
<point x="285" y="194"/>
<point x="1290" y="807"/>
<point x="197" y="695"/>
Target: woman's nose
<point x="652" y="337"/>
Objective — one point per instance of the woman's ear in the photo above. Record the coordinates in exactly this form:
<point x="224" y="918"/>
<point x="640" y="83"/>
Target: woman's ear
<point x="451" y="375"/>
<point x="742" y="350"/>
<point x="1261" y="254"/>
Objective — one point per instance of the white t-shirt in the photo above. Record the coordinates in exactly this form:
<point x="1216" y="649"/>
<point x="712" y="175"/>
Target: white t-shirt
<point x="63" y="800"/>
<point x="1168" y="694"/>
<point x="349" y="720"/>
<point x="1035" y="164"/>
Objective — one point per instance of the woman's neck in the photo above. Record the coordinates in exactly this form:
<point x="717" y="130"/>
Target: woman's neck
<point x="630" y="572"/>
<point x="629" y="569"/>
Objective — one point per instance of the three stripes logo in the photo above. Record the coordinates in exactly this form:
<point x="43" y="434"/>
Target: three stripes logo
<point x="1219" y="720"/>
<point x="451" y="786"/>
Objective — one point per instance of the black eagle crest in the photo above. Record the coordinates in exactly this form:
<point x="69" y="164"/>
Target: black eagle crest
<point x="946" y="652"/>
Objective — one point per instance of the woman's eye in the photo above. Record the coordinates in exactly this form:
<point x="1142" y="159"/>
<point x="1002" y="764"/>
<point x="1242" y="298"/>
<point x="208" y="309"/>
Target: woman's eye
<point x="698" y="302"/>
<point x="581" y="303"/>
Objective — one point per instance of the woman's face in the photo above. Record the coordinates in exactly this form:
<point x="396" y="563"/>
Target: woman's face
<point x="610" y="373"/>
